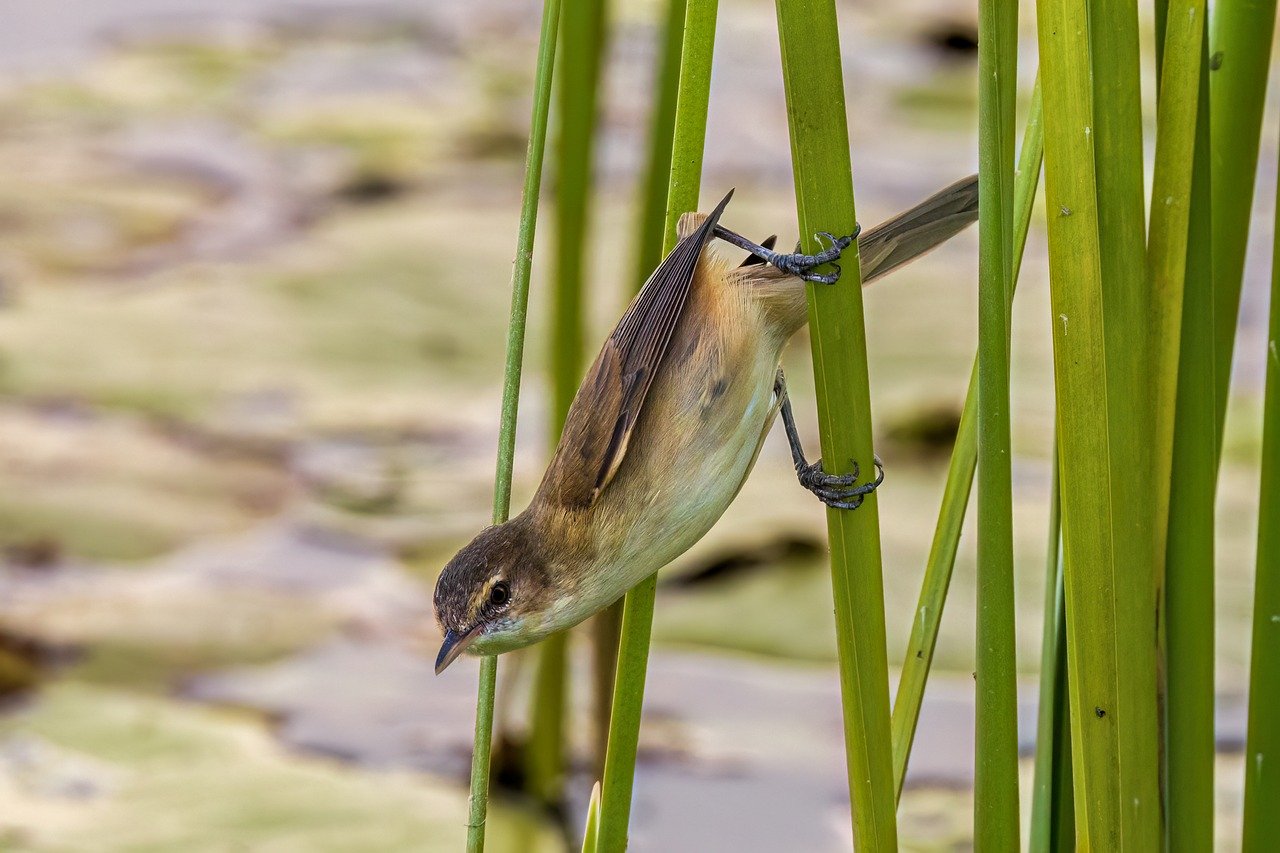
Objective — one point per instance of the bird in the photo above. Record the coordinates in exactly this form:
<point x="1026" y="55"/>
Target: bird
<point x="665" y="427"/>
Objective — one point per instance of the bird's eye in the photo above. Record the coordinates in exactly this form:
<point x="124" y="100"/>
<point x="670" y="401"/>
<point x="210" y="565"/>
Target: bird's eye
<point x="500" y="594"/>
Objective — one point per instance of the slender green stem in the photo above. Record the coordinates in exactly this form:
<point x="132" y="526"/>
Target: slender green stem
<point x="995" y="806"/>
<point x="1052" y="821"/>
<point x="955" y="497"/>
<point x="1240" y="37"/>
<point x="479" y="797"/>
<point x="478" y="800"/>
<point x="824" y="199"/>
<point x="1262" y="745"/>
<point x="1179" y="270"/>
<point x="582" y="34"/>
<point x="607" y="625"/>
<point x="637" y="614"/>
<point x="606" y="634"/>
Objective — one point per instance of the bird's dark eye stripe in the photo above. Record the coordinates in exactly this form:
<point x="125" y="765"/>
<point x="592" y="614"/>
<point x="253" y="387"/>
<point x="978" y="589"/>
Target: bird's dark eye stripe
<point x="500" y="594"/>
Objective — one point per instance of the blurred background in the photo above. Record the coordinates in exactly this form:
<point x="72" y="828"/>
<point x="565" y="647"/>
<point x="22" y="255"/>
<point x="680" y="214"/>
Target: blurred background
<point x="254" y="282"/>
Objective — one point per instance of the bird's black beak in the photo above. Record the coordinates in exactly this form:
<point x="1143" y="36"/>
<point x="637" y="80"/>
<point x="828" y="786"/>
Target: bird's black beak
<point x="454" y="644"/>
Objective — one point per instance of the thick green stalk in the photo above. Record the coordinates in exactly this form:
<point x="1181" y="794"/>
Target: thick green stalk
<point x="607" y="625"/>
<point x="1179" y="260"/>
<point x="1262" y="746"/>
<point x="995" y="805"/>
<point x="1052" y="820"/>
<point x="582" y="34"/>
<point x="1137" y="516"/>
<point x="479" y="797"/>
<point x="1111" y="646"/>
<point x="1240" y="36"/>
<point x="662" y="121"/>
<point x="637" y="613"/>
<point x="955" y="497"/>
<point x="824" y="199"/>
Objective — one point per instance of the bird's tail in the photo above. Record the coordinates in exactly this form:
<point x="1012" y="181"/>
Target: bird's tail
<point x="913" y="232"/>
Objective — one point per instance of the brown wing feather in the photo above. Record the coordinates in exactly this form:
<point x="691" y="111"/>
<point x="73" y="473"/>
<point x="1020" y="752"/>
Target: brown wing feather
<point x="608" y="404"/>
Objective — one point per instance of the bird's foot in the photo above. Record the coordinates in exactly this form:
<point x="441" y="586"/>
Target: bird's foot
<point x="838" y="491"/>
<point x="800" y="265"/>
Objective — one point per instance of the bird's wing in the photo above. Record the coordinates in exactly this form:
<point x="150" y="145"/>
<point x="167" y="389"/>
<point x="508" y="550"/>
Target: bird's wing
<point x="609" y="402"/>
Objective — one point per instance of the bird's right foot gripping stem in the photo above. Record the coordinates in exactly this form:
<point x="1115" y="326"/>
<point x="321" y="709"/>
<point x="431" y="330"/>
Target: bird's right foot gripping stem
<point x="839" y="491"/>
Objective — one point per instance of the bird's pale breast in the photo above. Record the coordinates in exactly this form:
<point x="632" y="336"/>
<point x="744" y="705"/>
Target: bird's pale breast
<point x="697" y="439"/>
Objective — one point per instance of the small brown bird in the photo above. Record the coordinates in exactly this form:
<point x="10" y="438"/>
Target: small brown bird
<point x="664" y="430"/>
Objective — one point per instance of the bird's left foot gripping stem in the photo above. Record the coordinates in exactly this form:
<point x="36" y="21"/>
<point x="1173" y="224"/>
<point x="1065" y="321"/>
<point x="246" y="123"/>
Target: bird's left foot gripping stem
<point x="839" y="491"/>
<point x="796" y="264"/>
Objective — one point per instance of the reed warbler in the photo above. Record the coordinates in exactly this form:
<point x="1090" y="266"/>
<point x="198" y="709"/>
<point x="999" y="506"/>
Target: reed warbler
<point x="664" y="430"/>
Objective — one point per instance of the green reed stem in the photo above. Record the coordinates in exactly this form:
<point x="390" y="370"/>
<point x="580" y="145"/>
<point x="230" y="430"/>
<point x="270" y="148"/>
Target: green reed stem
<point x="1262" y="744"/>
<point x="607" y="625"/>
<point x="637" y="614"/>
<point x="582" y="35"/>
<point x="955" y="496"/>
<point x="1240" y="37"/>
<point x="653" y="226"/>
<point x="816" y="116"/>
<point x="1090" y="72"/>
<point x="1135" y="330"/>
<point x="478" y="802"/>
<point x="1052" y="818"/>
<point x="995" y="807"/>
<point x="1180" y="274"/>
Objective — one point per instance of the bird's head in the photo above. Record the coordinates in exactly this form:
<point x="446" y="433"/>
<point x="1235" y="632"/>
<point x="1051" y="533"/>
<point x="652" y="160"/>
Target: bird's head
<point x="494" y="595"/>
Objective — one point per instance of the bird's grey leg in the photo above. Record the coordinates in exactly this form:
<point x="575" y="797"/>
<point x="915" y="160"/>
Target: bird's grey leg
<point x="835" y="490"/>
<point x="796" y="264"/>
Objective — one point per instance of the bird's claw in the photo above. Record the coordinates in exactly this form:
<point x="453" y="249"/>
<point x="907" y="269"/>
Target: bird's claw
<point x="822" y="278"/>
<point x="838" y="244"/>
<point x="800" y="265"/>
<point x="838" y="491"/>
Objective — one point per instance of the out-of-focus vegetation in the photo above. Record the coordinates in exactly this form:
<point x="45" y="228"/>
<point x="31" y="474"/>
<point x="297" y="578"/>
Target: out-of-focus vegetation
<point x="159" y="778"/>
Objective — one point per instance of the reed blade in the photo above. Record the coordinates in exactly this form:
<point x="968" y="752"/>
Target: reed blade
<point x="960" y="473"/>
<point x="1098" y="308"/>
<point x="1262" y="743"/>
<point x="1240" y="45"/>
<point x="1179" y="269"/>
<point x="607" y="624"/>
<point x="478" y="799"/>
<point x="582" y="37"/>
<point x="1052" y="805"/>
<point x="689" y="141"/>
<point x="995" y="805"/>
<point x="814" y="87"/>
